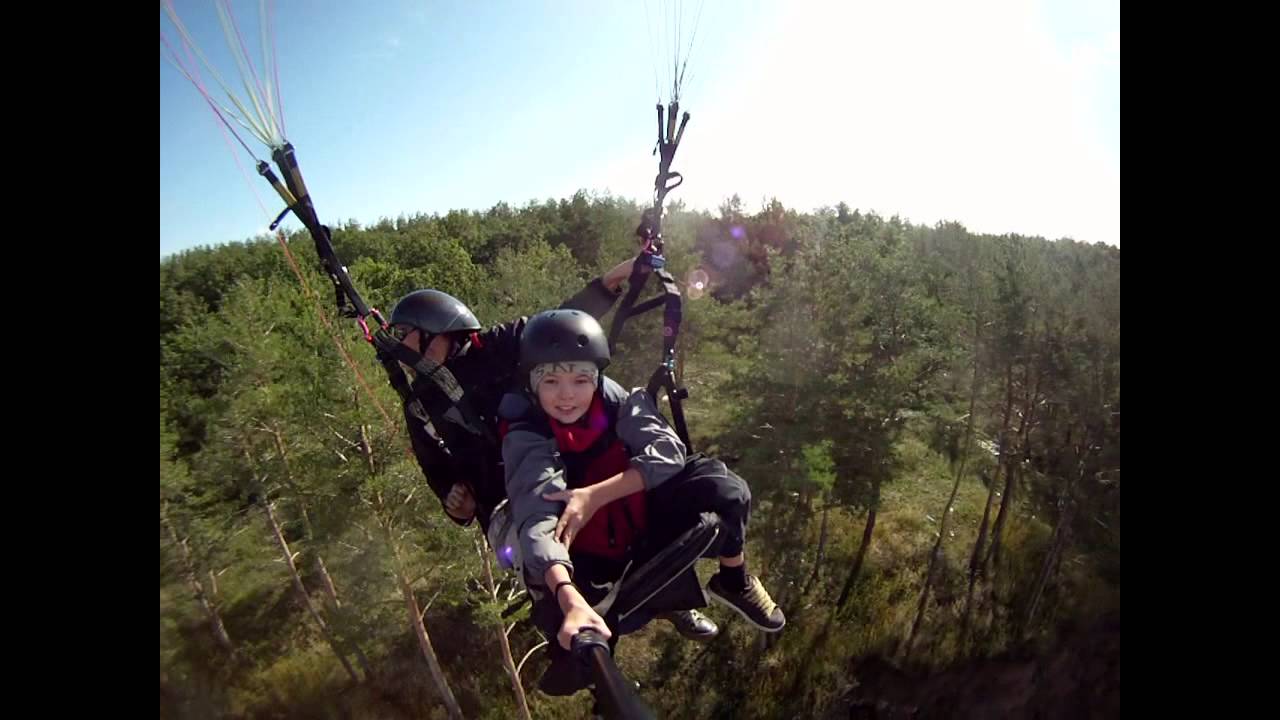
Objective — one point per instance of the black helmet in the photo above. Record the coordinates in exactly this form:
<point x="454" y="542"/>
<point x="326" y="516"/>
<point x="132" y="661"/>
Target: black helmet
<point x="434" y="312"/>
<point x="562" y="336"/>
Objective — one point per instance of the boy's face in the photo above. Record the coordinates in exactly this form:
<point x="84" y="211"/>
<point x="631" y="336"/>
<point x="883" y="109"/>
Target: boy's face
<point x="566" y="395"/>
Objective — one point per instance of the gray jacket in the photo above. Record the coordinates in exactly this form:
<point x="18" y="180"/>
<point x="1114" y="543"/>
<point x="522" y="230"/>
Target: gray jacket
<point x="534" y="468"/>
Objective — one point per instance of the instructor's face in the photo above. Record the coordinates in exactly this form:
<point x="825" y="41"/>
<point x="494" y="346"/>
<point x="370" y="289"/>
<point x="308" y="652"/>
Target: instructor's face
<point x="437" y="350"/>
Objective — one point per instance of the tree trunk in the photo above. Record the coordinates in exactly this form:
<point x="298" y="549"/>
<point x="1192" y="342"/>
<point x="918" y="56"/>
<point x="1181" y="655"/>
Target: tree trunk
<point x="428" y="652"/>
<point x="867" y="530"/>
<point x="933" y="568"/>
<point x="330" y="590"/>
<point x="1066" y="512"/>
<point x="419" y="627"/>
<point x="326" y="579"/>
<point x="1006" y="498"/>
<point x="384" y="515"/>
<point x="1011" y="469"/>
<point x="189" y="570"/>
<point x="507" y="660"/>
<point x="976" y="565"/>
<point x="301" y="590"/>
<point x="822" y="546"/>
<point x="975" y="558"/>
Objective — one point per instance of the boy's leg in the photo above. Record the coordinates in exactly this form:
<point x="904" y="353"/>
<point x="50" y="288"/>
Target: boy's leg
<point x="706" y="484"/>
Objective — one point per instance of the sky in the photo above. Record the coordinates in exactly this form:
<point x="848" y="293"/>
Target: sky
<point x="1002" y="115"/>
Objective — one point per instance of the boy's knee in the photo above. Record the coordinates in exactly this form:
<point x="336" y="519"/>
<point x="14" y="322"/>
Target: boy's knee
<point x="735" y="494"/>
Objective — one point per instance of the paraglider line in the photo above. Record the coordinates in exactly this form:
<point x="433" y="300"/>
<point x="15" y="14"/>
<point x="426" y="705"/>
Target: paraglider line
<point x="244" y="52"/>
<point x="275" y="67"/>
<point x="194" y="77"/>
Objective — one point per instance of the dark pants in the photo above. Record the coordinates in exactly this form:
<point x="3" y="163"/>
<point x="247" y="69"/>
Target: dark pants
<point x="704" y="485"/>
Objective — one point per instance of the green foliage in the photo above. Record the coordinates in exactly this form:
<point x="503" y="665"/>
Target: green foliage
<point x="830" y="361"/>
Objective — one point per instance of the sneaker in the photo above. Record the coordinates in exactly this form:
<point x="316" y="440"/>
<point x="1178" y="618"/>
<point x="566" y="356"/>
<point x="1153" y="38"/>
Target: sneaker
<point x="692" y="624"/>
<point x="754" y="603"/>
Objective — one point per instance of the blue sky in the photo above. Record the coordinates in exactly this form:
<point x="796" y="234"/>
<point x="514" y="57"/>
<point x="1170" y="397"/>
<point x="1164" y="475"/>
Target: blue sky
<point x="1003" y="115"/>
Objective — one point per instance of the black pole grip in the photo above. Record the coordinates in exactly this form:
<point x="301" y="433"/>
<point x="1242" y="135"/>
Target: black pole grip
<point x="683" y="121"/>
<point x="616" y="694"/>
